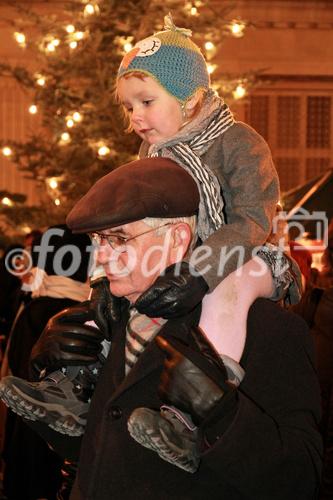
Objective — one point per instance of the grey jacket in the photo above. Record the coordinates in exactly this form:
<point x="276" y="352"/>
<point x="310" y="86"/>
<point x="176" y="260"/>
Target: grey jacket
<point x="242" y="162"/>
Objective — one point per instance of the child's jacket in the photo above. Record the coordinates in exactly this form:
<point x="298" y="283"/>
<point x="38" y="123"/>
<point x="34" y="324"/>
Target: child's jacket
<point x="242" y="163"/>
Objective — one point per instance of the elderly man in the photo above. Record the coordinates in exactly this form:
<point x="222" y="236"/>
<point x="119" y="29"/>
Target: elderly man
<point x="255" y="441"/>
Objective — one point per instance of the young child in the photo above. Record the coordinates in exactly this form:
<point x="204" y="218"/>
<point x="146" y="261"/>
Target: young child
<point x="163" y="85"/>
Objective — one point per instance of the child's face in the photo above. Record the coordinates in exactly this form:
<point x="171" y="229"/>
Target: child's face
<point x="154" y="114"/>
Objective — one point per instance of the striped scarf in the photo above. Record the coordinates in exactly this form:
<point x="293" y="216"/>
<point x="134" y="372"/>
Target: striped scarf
<point x="140" y="330"/>
<point x="188" y="154"/>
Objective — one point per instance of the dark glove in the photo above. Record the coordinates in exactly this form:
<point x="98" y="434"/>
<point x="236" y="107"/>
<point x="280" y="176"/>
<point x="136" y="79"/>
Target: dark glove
<point x="67" y="341"/>
<point x="171" y="295"/>
<point x="106" y="305"/>
<point x="194" y="378"/>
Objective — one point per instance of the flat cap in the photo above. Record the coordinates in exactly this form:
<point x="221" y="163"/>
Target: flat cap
<point x="149" y="187"/>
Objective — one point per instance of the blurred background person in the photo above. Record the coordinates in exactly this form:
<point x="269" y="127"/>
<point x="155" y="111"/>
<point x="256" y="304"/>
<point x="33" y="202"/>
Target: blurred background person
<point x="32" y="470"/>
<point x="316" y="307"/>
<point x="10" y="287"/>
<point x="303" y="258"/>
<point x="325" y="277"/>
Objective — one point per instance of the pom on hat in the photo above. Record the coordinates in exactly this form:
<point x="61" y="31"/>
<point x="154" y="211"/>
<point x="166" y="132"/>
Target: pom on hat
<point x="172" y="59"/>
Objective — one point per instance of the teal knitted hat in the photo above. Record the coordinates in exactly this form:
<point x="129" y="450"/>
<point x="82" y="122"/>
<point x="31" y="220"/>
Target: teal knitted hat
<point x="172" y="59"/>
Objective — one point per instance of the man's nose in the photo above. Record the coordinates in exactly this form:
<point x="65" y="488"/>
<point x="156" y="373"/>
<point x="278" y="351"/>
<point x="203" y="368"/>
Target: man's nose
<point x="103" y="253"/>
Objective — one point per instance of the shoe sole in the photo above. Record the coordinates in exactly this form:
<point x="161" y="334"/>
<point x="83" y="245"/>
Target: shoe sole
<point x="52" y="414"/>
<point x="153" y="441"/>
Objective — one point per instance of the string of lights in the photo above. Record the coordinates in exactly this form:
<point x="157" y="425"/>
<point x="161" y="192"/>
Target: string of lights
<point x="75" y="123"/>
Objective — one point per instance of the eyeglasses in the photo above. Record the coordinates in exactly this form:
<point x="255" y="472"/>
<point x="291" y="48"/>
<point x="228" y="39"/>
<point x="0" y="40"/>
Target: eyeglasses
<point x="119" y="242"/>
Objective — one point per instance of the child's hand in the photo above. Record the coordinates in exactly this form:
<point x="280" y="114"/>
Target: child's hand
<point x="173" y="294"/>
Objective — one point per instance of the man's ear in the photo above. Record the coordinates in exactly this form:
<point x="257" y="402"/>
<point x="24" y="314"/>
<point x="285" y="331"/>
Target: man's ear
<point x="182" y="237"/>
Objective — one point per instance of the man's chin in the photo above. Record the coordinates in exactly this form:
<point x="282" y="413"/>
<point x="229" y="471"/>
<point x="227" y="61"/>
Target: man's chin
<point x="130" y="296"/>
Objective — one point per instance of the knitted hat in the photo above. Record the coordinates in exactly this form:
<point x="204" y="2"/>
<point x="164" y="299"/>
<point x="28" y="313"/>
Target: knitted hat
<point x="171" y="58"/>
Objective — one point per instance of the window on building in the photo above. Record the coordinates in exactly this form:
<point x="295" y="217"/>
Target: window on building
<point x="297" y="124"/>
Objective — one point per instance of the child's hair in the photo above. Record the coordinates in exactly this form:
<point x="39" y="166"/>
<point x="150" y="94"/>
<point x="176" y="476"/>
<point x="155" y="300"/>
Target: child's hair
<point x="189" y="114"/>
<point x="172" y="59"/>
<point x="125" y="112"/>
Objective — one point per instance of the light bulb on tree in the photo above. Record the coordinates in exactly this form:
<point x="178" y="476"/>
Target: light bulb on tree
<point x="128" y="46"/>
<point x="20" y="38"/>
<point x="25" y="229"/>
<point x="50" y="43"/>
<point x="65" y="138"/>
<point x="103" y="151"/>
<point x="77" y="117"/>
<point x="70" y="28"/>
<point x="50" y="47"/>
<point x="57" y="202"/>
<point x="53" y="183"/>
<point x="237" y="28"/>
<point x="210" y="48"/>
<point x="89" y="10"/>
<point x="191" y="8"/>
<point x="40" y="80"/>
<point x="7" y="201"/>
<point x="239" y="92"/>
<point x="209" y="45"/>
<point x="6" y="151"/>
<point x="33" y="109"/>
<point x="211" y="68"/>
<point x="78" y="35"/>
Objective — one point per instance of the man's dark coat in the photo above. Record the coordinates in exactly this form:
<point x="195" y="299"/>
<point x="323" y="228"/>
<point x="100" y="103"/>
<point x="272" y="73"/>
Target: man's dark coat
<point x="271" y="450"/>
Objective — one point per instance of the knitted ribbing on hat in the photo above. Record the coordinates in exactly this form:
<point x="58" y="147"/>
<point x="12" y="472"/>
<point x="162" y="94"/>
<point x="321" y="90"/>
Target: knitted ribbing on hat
<point x="172" y="59"/>
<point x="187" y="153"/>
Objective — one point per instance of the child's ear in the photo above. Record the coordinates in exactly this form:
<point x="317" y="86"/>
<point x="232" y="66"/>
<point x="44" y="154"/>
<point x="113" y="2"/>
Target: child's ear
<point x="193" y="101"/>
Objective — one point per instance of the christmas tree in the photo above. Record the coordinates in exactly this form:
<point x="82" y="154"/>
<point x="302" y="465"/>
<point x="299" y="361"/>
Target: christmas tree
<point x="76" y="54"/>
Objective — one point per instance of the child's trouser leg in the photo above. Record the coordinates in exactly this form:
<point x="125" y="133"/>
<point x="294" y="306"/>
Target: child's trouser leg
<point x="225" y="310"/>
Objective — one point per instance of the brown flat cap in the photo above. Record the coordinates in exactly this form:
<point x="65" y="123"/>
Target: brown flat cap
<point x="150" y="187"/>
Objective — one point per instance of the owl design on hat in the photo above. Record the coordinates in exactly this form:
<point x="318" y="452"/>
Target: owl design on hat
<point x="146" y="47"/>
<point x="172" y="59"/>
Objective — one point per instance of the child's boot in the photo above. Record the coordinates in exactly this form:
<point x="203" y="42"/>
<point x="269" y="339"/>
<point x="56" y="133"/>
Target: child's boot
<point x="61" y="400"/>
<point x="193" y="382"/>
